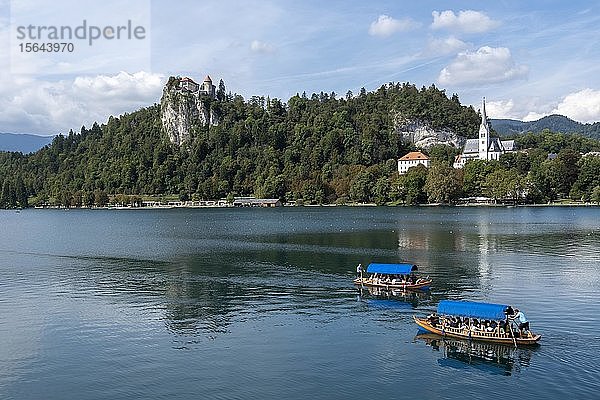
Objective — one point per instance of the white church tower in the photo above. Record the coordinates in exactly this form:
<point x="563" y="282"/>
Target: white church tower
<point x="484" y="135"/>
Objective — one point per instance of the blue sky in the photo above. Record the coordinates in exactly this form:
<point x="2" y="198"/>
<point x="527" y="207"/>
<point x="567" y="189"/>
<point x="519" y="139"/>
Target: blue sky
<point x="529" y="59"/>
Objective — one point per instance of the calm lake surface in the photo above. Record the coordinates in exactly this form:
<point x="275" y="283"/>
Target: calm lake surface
<point x="259" y="303"/>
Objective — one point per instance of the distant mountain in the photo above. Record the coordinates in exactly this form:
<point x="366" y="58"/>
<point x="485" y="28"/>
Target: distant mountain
<point x="554" y="123"/>
<point x="24" y="143"/>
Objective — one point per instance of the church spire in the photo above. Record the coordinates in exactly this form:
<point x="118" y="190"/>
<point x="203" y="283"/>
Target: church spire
<point x="483" y="116"/>
<point x="484" y="134"/>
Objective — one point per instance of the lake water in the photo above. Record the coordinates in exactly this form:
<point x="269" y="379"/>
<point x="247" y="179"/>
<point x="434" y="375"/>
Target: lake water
<point x="259" y="304"/>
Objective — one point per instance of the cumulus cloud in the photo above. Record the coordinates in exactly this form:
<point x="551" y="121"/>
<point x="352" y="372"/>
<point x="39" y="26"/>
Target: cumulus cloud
<point x="583" y="106"/>
<point x="501" y="109"/>
<point x="534" y="116"/>
<point x="261" y="47"/>
<point x="468" y="21"/>
<point x="445" y="46"/>
<point x="486" y="65"/>
<point x="48" y="107"/>
<point x="386" y="26"/>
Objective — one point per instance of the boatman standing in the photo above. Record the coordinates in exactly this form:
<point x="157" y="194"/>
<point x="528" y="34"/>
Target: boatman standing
<point x="522" y="321"/>
<point x="359" y="271"/>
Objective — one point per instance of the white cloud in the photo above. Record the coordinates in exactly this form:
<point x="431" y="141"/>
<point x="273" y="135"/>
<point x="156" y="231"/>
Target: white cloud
<point x="534" y="116"/>
<point x="386" y="26"/>
<point x="468" y="21"/>
<point x="486" y="65"/>
<point x="49" y="107"/>
<point x="127" y="87"/>
<point x="261" y="47"/>
<point x="445" y="46"/>
<point x="583" y="106"/>
<point x="501" y="109"/>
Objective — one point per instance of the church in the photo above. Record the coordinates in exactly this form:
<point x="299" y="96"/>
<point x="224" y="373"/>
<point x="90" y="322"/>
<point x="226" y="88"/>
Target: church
<point x="485" y="147"/>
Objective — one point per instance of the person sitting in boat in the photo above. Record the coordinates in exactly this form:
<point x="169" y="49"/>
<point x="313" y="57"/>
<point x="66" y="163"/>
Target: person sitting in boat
<point x="374" y="278"/>
<point x="502" y="327"/>
<point x="522" y="322"/>
<point x="433" y="319"/>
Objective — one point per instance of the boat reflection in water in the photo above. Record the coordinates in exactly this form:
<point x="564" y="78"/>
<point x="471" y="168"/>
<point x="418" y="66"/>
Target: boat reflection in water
<point x="496" y="359"/>
<point x="403" y="298"/>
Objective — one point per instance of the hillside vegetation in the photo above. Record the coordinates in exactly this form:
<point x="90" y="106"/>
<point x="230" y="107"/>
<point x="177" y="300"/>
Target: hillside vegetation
<point x="318" y="149"/>
<point x="313" y="148"/>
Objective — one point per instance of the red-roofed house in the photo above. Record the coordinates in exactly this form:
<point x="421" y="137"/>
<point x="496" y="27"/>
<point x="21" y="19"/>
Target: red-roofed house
<point x="188" y="84"/>
<point x="412" y="159"/>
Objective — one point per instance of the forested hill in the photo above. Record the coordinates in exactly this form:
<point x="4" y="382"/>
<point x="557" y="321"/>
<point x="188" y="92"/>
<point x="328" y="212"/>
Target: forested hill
<point x="319" y="148"/>
<point x="554" y="123"/>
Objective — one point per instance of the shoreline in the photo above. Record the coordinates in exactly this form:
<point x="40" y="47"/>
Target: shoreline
<point x="359" y="205"/>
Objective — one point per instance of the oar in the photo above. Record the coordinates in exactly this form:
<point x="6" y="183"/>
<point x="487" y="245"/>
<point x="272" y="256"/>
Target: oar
<point x="511" y="333"/>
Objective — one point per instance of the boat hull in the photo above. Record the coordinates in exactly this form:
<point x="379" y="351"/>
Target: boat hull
<point x="528" y="341"/>
<point x="417" y="286"/>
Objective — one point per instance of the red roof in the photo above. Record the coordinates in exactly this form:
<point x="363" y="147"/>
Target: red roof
<point x="186" y="79"/>
<point x="414" y="155"/>
<point x="207" y="79"/>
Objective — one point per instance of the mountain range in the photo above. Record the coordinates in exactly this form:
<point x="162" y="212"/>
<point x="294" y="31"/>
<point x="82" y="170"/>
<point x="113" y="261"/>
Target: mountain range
<point x="554" y="123"/>
<point x="24" y="143"/>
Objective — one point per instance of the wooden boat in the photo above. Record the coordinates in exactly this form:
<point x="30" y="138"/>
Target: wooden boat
<point x="468" y="311"/>
<point x="392" y="276"/>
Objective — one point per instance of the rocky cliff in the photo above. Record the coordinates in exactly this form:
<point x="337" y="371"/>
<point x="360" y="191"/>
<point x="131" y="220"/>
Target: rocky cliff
<point x="422" y="135"/>
<point x="181" y="111"/>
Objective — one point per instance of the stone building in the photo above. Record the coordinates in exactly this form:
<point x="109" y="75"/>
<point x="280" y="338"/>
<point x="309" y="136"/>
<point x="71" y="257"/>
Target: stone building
<point x="484" y="147"/>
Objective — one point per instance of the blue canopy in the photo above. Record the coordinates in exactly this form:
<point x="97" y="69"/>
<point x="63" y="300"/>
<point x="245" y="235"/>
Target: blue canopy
<point x="389" y="269"/>
<point x="472" y="309"/>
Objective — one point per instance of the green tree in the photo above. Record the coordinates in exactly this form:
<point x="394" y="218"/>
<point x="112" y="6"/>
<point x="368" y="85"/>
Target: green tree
<point x="442" y="153"/>
<point x="381" y="191"/>
<point x="587" y="179"/>
<point x="88" y="199"/>
<point x="100" y="198"/>
<point x="360" y="189"/>
<point x="413" y="184"/>
<point x="504" y="185"/>
<point x="443" y="184"/>
<point x="221" y="90"/>
<point x="596" y="195"/>
<point x="475" y="173"/>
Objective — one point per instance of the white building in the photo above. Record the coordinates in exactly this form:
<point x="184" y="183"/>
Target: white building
<point x="206" y="87"/>
<point x="484" y="147"/>
<point x="412" y="159"/>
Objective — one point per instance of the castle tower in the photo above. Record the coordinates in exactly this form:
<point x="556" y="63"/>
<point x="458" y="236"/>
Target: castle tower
<point x="207" y="87"/>
<point x="484" y="134"/>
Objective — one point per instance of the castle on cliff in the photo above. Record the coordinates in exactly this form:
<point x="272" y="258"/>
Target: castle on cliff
<point x="206" y="88"/>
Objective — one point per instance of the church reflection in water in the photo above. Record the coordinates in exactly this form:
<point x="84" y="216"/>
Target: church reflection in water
<point x="492" y="358"/>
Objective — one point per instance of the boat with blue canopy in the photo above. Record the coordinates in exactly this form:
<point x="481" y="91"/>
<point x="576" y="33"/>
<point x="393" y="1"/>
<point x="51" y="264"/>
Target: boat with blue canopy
<point x="477" y="321"/>
<point x="391" y="276"/>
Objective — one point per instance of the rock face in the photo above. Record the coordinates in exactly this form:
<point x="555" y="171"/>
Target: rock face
<point x="422" y="135"/>
<point x="182" y="111"/>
